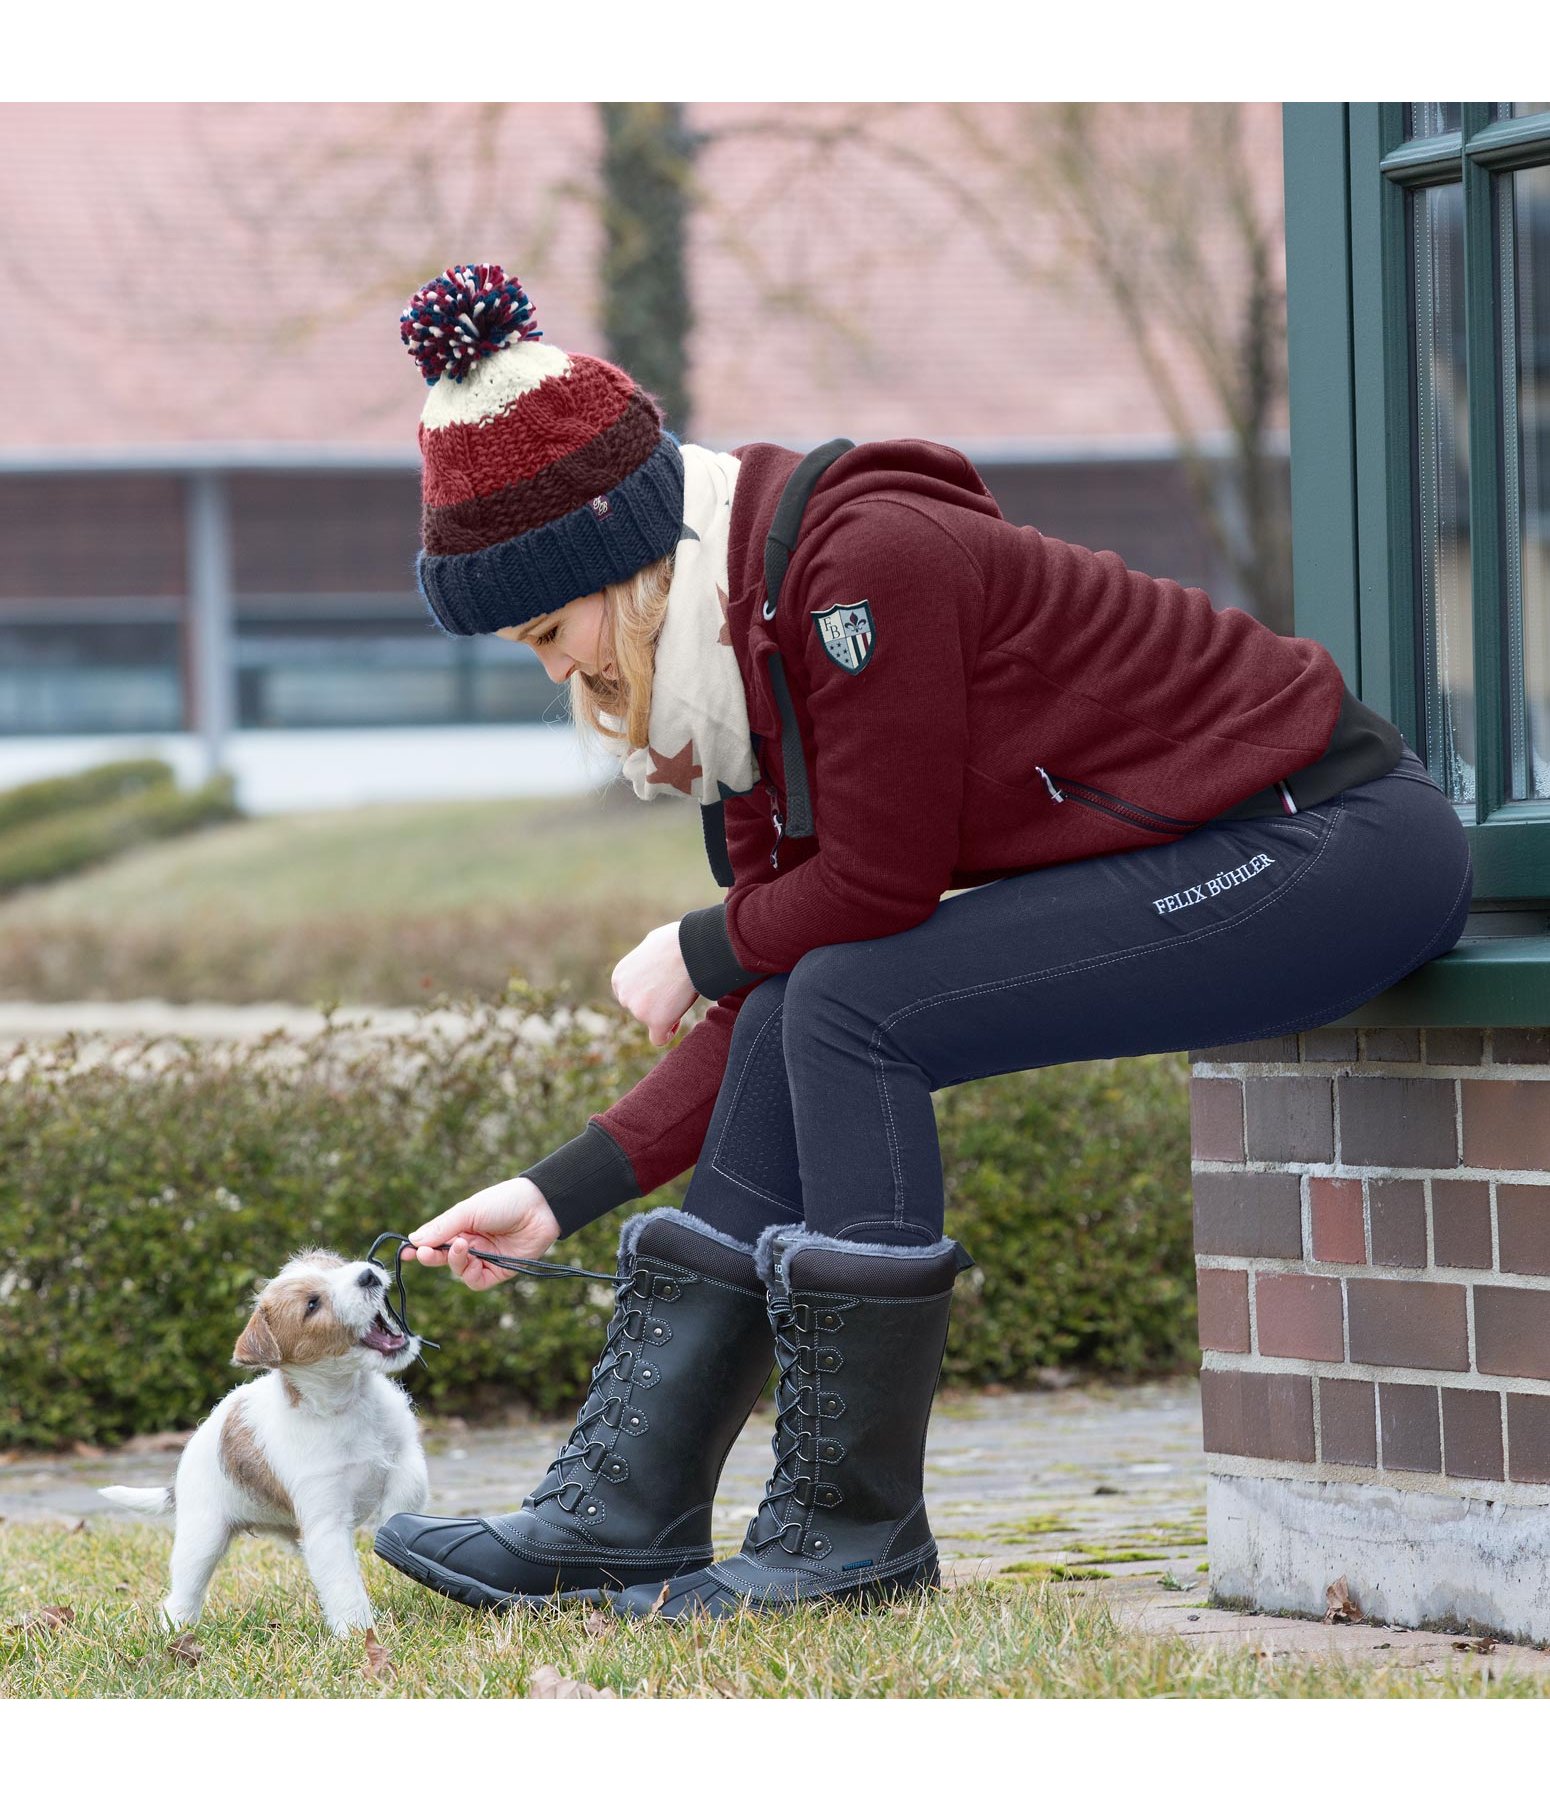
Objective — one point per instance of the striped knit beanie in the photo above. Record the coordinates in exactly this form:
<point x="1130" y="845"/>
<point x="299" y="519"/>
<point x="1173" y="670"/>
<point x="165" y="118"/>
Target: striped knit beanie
<point x="546" y="476"/>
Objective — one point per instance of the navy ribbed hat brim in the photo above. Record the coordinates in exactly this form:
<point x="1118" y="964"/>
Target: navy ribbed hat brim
<point x="521" y="578"/>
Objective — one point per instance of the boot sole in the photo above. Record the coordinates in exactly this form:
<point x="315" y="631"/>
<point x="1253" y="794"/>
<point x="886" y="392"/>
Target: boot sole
<point x="473" y="1593"/>
<point x="926" y="1578"/>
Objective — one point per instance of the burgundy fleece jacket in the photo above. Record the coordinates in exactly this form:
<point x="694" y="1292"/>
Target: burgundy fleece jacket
<point x="1002" y="667"/>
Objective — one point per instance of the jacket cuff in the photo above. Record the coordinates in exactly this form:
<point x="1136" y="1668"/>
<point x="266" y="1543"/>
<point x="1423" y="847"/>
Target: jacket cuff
<point x="706" y="947"/>
<point x="585" y="1178"/>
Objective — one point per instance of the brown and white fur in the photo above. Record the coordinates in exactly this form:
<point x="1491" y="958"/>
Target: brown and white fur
<point x="312" y="1450"/>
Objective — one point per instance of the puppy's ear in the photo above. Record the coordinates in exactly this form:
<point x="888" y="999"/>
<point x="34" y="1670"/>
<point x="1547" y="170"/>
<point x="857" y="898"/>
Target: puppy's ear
<point x="257" y="1348"/>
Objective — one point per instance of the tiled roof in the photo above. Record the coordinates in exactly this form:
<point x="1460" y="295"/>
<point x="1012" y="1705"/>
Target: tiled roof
<point x="181" y="274"/>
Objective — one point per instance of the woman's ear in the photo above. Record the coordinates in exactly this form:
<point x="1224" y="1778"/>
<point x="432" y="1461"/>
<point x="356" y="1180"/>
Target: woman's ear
<point x="257" y="1348"/>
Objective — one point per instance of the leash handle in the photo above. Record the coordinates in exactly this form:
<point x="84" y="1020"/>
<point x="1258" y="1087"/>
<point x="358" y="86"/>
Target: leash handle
<point x="518" y="1265"/>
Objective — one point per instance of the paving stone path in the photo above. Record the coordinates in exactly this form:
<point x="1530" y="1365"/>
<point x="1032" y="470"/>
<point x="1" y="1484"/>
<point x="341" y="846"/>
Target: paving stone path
<point x="1104" y="1483"/>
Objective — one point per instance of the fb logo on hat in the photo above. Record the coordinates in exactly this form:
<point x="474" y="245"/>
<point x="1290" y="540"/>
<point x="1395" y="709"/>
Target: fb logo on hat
<point x="846" y="633"/>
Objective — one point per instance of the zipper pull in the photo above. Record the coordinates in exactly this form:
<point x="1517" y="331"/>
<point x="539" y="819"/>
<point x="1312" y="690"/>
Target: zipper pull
<point x="1055" y="793"/>
<point x="780" y="832"/>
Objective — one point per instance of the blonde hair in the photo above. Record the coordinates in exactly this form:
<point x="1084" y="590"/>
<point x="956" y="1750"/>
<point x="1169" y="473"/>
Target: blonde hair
<point x="633" y="612"/>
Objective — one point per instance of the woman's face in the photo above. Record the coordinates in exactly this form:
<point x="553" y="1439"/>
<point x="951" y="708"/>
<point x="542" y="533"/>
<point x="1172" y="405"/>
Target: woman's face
<point x="569" y="639"/>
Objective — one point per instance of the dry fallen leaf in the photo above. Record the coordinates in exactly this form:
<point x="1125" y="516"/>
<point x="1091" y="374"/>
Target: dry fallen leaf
<point x="186" y="1648"/>
<point x="378" y="1661"/>
<point x="549" y="1684"/>
<point x="1339" y="1607"/>
<point x="79" y="1525"/>
<point x="47" y="1618"/>
<point x="658" y="1603"/>
<point x="1482" y="1646"/>
<point x="597" y="1623"/>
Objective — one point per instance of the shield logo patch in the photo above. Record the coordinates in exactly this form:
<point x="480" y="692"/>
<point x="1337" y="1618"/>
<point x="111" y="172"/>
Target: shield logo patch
<point x="846" y="634"/>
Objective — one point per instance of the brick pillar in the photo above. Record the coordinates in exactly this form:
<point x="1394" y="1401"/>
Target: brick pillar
<point x="1372" y="1248"/>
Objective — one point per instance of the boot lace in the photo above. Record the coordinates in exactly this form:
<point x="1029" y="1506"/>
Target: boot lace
<point x="619" y="1360"/>
<point x="797" y="1356"/>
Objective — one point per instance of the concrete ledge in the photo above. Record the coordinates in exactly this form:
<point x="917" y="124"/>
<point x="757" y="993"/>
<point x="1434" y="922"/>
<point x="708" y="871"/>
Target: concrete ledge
<point x="1448" y="1563"/>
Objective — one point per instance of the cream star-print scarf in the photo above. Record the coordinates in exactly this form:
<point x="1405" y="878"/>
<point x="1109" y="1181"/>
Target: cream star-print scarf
<point x="699" y="742"/>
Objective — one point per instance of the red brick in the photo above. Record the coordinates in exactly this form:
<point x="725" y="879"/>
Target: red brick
<point x="1528" y="1437"/>
<point x="1506" y="1124"/>
<point x="1216" y="1119"/>
<point x="1472" y="1433"/>
<point x="1223" y="1296"/>
<point x="1523" y="1228"/>
<point x="1244" y="1413"/>
<point x="1461" y="1224"/>
<point x="1407" y="1324"/>
<point x="1299" y="1315"/>
<point x="1348" y="1422"/>
<point x="1396" y="1212"/>
<point x="1247" y="1213"/>
<point x="1512" y="1331"/>
<point x="1407" y="1416"/>
<point x="1336" y="1205"/>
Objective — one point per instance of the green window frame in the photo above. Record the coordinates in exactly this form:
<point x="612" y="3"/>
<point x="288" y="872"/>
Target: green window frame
<point x="1353" y="174"/>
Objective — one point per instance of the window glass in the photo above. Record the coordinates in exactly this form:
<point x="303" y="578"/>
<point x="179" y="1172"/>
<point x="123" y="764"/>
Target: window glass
<point x="301" y="671"/>
<point x="1526" y="303"/>
<point x="82" y="675"/>
<point x="1522" y="108"/>
<point x="1430" y="118"/>
<point x="1441" y="473"/>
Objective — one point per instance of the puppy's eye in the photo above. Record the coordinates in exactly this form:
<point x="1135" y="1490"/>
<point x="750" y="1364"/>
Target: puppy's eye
<point x="313" y="1302"/>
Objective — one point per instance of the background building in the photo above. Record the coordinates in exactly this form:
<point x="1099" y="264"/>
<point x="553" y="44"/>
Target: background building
<point x="208" y="473"/>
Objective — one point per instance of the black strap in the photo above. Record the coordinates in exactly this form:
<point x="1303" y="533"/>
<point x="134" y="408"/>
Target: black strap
<point x="788" y="515"/>
<point x="713" y="823"/>
<point x="777" y="554"/>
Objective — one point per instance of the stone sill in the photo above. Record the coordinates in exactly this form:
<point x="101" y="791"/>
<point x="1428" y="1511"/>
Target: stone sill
<point x="1481" y="981"/>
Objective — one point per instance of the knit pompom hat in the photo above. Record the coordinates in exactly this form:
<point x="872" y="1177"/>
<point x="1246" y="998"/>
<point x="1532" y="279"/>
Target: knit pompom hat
<point x="546" y="476"/>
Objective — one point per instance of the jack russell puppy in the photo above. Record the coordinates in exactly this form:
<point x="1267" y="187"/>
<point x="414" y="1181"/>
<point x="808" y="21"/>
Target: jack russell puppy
<point x="311" y="1451"/>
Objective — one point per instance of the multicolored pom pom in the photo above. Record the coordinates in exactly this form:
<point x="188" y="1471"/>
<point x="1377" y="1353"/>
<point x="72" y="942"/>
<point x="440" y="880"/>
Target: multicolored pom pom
<point x="466" y="313"/>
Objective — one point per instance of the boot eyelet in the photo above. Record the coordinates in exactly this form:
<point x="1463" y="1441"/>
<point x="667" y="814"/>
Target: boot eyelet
<point x="829" y="1360"/>
<point x="818" y="1545"/>
<point x="665" y="1289"/>
<point x="829" y="1322"/>
<point x="829" y="1452"/>
<point x="647" y="1374"/>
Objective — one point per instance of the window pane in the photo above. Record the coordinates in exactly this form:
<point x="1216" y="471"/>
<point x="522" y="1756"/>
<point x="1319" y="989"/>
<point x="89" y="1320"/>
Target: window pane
<point x="317" y="671"/>
<point x="1522" y="108"/>
<point x="1527" y="315"/>
<point x="1442" y="486"/>
<point x="1430" y="118"/>
<point x="90" y="676"/>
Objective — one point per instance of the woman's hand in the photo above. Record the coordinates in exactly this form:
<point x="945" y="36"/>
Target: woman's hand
<point x="512" y="1218"/>
<point x="653" y="984"/>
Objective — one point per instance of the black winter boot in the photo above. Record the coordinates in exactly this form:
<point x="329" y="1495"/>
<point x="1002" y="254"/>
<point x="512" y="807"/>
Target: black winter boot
<point x="859" y="1334"/>
<point x="628" y="1497"/>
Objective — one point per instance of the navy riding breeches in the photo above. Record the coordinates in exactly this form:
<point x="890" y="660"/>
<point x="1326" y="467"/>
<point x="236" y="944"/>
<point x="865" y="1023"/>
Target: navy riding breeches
<point x="1245" y="929"/>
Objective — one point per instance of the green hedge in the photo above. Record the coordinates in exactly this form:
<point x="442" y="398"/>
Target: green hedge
<point x="58" y="843"/>
<point x="89" y="787"/>
<point x="141" y="1198"/>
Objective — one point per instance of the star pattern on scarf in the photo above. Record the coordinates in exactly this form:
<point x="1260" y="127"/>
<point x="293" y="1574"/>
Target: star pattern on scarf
<point x="680" y="771"/>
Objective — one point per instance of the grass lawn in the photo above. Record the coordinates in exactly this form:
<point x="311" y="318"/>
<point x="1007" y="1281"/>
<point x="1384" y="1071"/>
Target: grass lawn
<point x="262" y="1636"/>
<point x="376" y="905"/>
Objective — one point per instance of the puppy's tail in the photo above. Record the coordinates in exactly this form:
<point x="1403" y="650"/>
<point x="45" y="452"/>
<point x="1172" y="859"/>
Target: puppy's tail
<point x="144" y="1500"/>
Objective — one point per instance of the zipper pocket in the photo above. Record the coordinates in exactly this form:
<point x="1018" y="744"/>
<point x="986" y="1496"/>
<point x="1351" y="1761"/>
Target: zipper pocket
<point x="780" y="831"/>
<point x="1099" y="800"/>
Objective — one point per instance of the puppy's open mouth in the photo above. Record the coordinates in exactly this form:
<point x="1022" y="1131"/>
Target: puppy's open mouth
<point x="380" y="1335"/>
